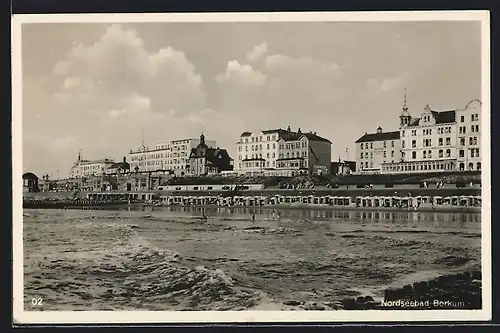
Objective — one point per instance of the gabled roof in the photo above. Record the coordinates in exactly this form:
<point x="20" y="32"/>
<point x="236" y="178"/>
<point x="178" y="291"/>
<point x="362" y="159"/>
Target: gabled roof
<point x="441" y="117"/>
<point x="379" y="137"/>
<point x="444" y="117"/>
<point x="120" y="165"/>
<point x="290" y="135"/>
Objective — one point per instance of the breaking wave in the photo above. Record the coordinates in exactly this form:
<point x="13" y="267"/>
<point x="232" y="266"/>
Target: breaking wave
<point x="129" y="274"/>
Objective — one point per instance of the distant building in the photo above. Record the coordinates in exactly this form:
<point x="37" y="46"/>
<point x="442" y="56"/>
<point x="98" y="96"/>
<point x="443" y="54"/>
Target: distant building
<point x="172" y="156"/>
<point x="342" y="168"/>
<point x="30" y="182"/>
<point x="375" y="149"/>
<point x="281" y="151"/>
<point x="86" y="168"/>
<point x="204" y="160"/>
<point x="118" y="168"/>
<point x="436" y="141"/>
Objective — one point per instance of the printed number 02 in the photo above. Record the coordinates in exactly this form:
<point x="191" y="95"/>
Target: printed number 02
<point x="36" y="301"/>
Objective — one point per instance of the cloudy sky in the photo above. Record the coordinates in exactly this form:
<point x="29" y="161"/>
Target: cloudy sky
<point x="97" y="87"/>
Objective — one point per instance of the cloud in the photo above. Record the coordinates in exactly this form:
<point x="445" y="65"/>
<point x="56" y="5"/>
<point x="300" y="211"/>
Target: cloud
<point x="279" y="90"/>
<point x="118" y="73"/>
<point x="241" y="74"/>
<point x="257" y="52"/>
<point x="387" y="84"/>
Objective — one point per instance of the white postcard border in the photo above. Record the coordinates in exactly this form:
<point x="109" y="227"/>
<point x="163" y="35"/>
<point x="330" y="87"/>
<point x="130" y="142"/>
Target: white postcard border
<point x="145" y="317"/>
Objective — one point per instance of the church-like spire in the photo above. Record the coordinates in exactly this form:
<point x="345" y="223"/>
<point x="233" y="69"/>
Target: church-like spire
<point x="405" y="107"/>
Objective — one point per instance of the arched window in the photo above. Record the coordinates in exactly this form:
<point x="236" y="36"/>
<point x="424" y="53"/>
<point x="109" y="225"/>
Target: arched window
<point x="440" y="153"/>
<point x="478" y="165"/>
<point x="413" y="154"/>
<point x="448" y="152"/>
<point x="461" y="167"/>
<point x="471" y="166"/>
<point x="461" y="153"/>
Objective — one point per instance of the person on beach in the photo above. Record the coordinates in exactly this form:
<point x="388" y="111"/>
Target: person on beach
<point x="253" y="216"/>
<point x="279" y="215"/>
<point x="273" y="214"/>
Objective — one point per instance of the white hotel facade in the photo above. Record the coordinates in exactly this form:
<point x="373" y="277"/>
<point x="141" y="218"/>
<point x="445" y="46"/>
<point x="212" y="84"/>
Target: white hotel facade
<point x="436" y="141"/>
<point x="282" y="152"/>
<point x="171" y="156"/>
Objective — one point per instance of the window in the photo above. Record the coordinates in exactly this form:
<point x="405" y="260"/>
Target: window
<point x="462" y="119"/>
<point x="361" y="146"/>
<point x="462" y="141"/>
<point x="461" y="153"/>
<point x="477" y="128"/>
<point x="440" y="153"/>
<point x="385" y="154"/>
<point x="472" y="128"/>
<point x="471" y="117"/>
<point x="403" y="133"/>
<point x="470" y="141"/>
<point x="440" y="141"/>
<point x="385" y="144"/>
<point x="268" y="145"/>
<point x="392" y="153"/>
<point x="267" y="155"/>
<point x="448" y="141"/>
<point x="413" y="154"/>
<point x="448" y="152"/>
<point x="472" y="151"/>
<point x="371" y="145"/>
<point x="475" y="140"/>
<point x="366" y="145"/>
<point x="402" y="144"/>
<point x="371" y="155"/>
<point x="424" y="154"/>
<point x="366" y="164"/>
<point x="477" y="152"/>
<point x="429" y="153"/>
<point x="413" y="143"/>
<point x="361" y="154"/>
<point x="274" y="145"/>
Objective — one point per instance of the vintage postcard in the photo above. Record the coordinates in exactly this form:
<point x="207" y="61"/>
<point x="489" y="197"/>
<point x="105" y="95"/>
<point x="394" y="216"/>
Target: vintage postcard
<point x="251" y="167"/>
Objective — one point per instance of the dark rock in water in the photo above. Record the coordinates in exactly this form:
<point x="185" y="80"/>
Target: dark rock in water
<point x="349" y="303"/>
<point x="420" y="287"/>
<point x="360" y="299"/>
<point x="369" y="299"/>
<point x="293" y="302"/>
<point x="407" y="291"/>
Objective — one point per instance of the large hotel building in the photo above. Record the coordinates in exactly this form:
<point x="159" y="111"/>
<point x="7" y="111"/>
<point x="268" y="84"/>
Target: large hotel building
<point x="171" y="156"/>
<point x="282" y="152"/>
<point x="435" y="141"/>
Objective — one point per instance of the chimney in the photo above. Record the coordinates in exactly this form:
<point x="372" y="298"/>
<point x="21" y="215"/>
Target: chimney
<point x="124" y="159"/>
<point x="289" y="129"/>
<point x="299" y="131"/>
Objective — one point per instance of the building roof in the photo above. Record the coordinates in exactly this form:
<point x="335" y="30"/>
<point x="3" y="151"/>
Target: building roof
<point x="441" y="117"/>
<point x="30" y="175"/>
<point x="120" y="165"/>
<point x="290" y="135"/>
<point x="444" y="117"/>
<point x="379" y="136"/>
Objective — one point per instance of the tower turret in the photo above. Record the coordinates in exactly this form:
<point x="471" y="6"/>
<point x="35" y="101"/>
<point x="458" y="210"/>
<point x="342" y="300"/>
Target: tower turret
<point x="405" y="117"/>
